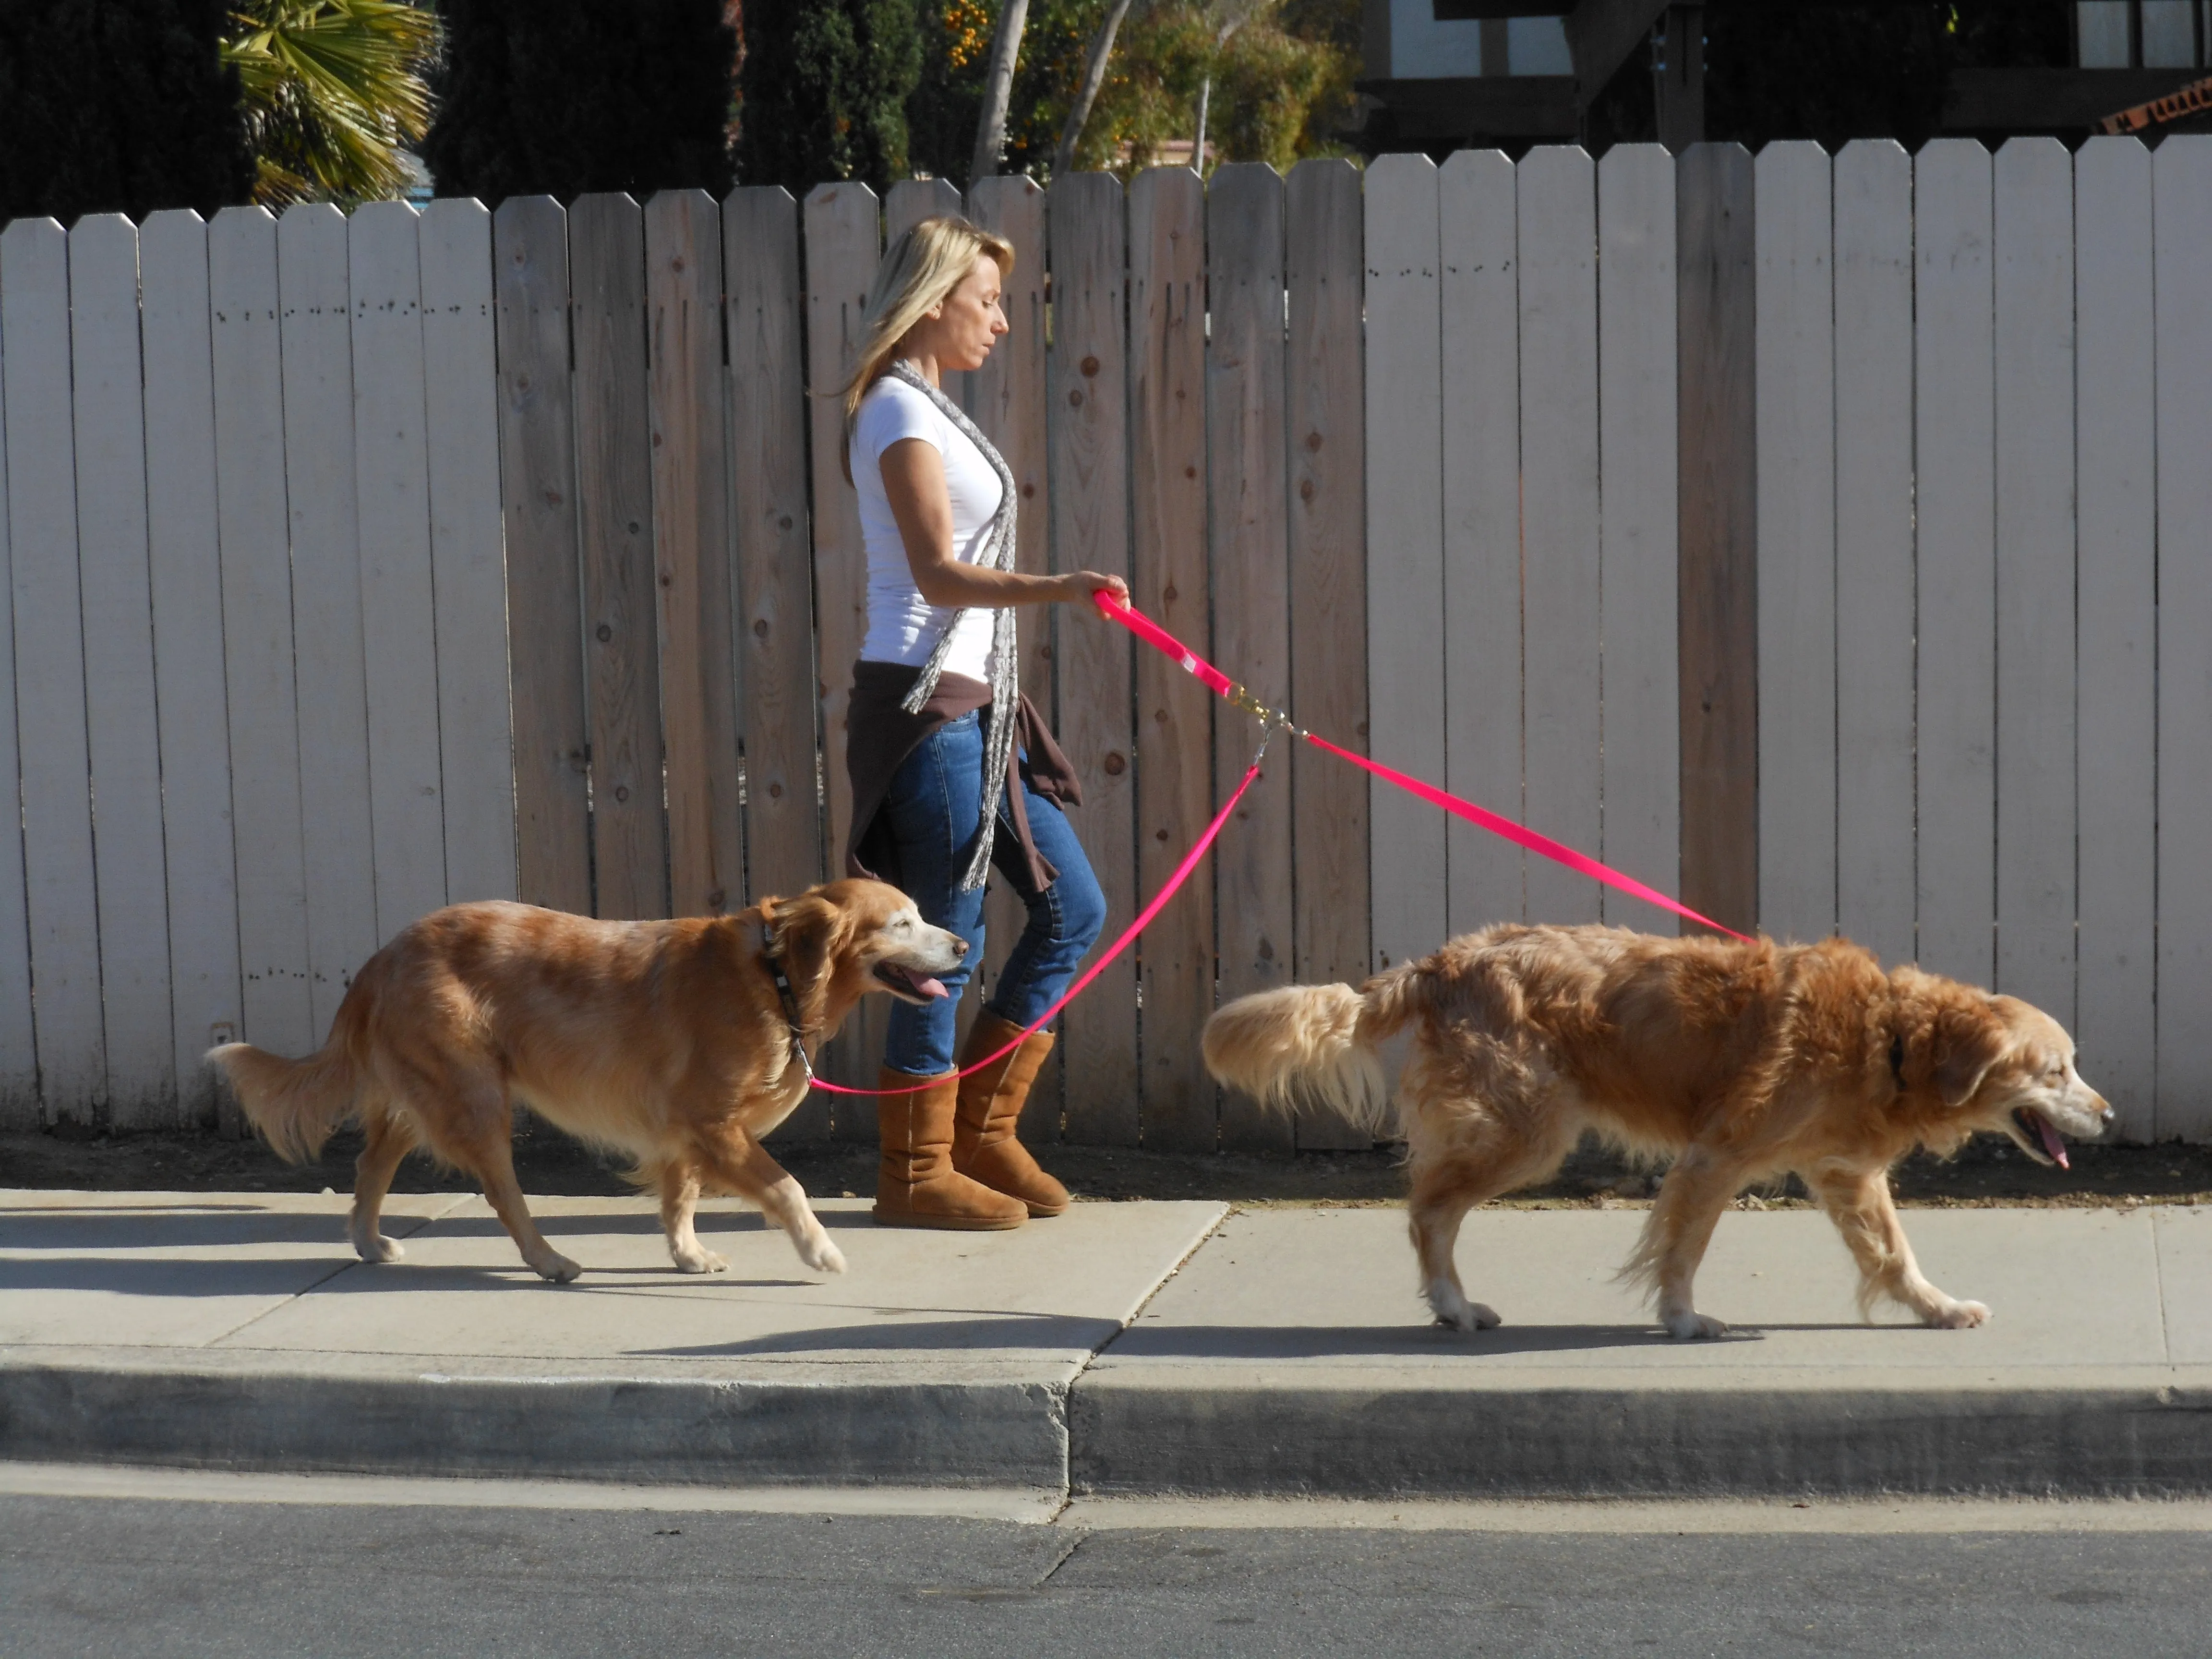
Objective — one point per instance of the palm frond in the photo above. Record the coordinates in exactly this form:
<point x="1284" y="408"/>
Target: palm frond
<point x="331" y="90"/>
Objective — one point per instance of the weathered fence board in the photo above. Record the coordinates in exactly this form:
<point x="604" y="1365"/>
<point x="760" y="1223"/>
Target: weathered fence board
<point x="257" y="632"/>
<point x="2116" y="789"/>
<point x="1168" y="562"/>
<point x="909" y="201"/>
<point x="1324" y="414"/>
<point x="1557" y="211"/>
<point x="1006" y="400"/>
<point x="1638" y="526"/>
<point x="1409" y="431"/>
<point x="199" y="865"/>
<point x="1088" y="396"/>
<point x="461" y="418"/>
<point x="614" y="514"/>
<point x="691" y="544"/>
<point x="57" y="855"/>
<point x="2181" y="174"/>
<point x="1874" y="599"/>
<point x="538" y="499"/>
<point x="1954" y="466"/>
<point x="767" y="488"/>
<point x="114" y="579"/>
<point x="2032" y="219"/>
<point x="767" y="405"/>
<point x="842" y="225"/>
<point x="1244" y="401"/>
<point x="18" y="1055"/>
<point x="1717" y="575"/>
<point x="313" y="329"/>
<point x="398" y="614"/>
<point x="1793" y="229"/>
<point x="1478" y="284"/>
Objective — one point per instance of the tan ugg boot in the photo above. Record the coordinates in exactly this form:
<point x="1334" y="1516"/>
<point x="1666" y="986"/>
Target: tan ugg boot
<point x="915" y="1183"/>
<point x="983" y="1144"/>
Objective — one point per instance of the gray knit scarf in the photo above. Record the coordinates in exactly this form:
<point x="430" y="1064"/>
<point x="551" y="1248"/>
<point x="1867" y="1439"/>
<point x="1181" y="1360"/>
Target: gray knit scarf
<point x="997" y="553"/>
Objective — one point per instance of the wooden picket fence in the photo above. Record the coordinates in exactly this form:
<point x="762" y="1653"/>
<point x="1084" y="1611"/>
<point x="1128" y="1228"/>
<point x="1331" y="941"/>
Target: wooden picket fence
<point x="1731" y="519"/>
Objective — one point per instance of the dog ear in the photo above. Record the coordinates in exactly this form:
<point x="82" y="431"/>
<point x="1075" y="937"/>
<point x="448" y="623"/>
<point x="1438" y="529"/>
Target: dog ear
<point x="1966" y="1040"/>
<point x="807" y="933"/>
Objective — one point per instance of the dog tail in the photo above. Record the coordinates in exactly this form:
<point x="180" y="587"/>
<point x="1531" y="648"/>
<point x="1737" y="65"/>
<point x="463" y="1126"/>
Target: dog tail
<point x="1313" y="1047"/>
<point x="296" y="1104"/>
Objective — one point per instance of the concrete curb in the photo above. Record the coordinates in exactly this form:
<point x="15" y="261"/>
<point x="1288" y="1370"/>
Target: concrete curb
<point x="586" y="1428"/>
<point x="1100" y="1438"/>
<point x="2148" y="1441"/>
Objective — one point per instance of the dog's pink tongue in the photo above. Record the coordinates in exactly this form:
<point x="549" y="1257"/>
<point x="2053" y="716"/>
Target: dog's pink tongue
<point x="935" y="988"/>
<point x="2051" y="1143"/>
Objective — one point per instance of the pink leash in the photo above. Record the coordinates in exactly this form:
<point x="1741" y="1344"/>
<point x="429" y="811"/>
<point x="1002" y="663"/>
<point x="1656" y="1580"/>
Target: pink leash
<point x="1520" y="835"/>
<point x="1190" y="862"/>
<point x="1149" y="631"/>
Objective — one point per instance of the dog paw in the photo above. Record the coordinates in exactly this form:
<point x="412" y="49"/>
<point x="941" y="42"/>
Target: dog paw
<point x="557" y="1269"/>
<point x="1456" y="1313"/>
<point x="1960" y="1316"/>
<point x="701" y="1261"/>
<point x="1694" y="1326"/>
<point x="379" y="1248"/>
<point x="1475" y="1316"/>
<point x="823" y="1256"/>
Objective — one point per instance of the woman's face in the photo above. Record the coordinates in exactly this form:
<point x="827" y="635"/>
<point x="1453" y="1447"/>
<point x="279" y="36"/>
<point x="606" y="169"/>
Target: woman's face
<point x="961" y="331"/>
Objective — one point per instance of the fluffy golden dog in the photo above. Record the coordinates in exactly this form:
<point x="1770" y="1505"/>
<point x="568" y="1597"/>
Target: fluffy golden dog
<point x="1742" y="1061"/>
<point x="666" y="1041"/>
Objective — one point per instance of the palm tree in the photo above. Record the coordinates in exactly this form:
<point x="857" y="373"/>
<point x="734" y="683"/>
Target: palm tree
<point x="331" y="90"/>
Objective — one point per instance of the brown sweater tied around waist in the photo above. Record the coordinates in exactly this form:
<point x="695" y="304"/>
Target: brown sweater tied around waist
<point x="878" y="737"/>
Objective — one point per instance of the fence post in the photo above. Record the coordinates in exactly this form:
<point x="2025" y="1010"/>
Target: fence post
<point x="1718" y="574"/>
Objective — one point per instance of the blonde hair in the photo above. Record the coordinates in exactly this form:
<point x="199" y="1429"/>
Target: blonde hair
<point x="919" y="270"/>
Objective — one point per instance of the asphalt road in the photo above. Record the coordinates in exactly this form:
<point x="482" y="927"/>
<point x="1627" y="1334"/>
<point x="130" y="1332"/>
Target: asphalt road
<point x="141" y="1578"/>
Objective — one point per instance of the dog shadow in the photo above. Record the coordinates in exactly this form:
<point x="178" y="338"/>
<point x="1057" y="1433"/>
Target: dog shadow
<point x="1052" y="1333"/>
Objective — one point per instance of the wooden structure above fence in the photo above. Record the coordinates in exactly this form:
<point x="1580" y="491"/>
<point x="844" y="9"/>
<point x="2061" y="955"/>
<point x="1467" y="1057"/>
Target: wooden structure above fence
<point x="1820" y="535"/>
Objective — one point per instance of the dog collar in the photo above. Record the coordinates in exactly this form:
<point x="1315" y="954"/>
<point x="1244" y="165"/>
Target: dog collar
<point x="790" y="1000"/>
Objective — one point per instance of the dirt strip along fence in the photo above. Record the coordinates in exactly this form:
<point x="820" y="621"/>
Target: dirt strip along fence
<point x="1824" y="537"/>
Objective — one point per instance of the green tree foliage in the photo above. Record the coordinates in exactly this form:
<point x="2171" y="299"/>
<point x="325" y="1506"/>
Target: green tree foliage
<point x="1282" y="81"/>
<point x="116" y="106"/>
<point x="560" y="97"/>
<point x="331" y="89"/>
<point x="826" y="84"/>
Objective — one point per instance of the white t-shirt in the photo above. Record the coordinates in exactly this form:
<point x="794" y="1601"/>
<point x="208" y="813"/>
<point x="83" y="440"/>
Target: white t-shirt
<point x="902" y="626"/>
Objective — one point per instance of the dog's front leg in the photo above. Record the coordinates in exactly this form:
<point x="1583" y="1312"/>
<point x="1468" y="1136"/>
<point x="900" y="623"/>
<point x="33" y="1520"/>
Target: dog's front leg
<point x="679" y="1198"/>
<point x="1696" y="1189"/>
<point x="739" y="1162"/>
<point x="1858" y="1202"/>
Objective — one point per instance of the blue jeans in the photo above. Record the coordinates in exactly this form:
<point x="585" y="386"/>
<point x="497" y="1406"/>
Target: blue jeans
<point x="935" y="808"/>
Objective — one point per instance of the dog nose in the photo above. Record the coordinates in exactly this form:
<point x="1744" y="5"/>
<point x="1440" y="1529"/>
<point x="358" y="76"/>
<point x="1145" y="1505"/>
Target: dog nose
<point x="959" y="950"/>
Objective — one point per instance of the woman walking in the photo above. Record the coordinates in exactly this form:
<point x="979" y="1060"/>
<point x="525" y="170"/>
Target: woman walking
<point x="952" y="768"/>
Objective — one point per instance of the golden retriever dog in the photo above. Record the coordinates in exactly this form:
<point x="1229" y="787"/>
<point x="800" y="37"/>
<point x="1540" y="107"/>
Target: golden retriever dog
<point x="1742" y="1061"/>
<point x="665" y="1041"/>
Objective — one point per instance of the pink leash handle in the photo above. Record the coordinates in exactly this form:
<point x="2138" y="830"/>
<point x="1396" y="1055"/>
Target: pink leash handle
<point x="1190" y="862"/>
<point x="1520" y="835"/>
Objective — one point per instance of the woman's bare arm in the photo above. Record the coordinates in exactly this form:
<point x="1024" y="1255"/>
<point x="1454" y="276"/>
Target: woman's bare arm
<point x="914" y="481"/>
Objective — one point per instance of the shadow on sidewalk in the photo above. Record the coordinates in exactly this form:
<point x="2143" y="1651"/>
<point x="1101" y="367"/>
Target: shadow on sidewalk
<point x="1368" y="1341"/>
<point x="1056" y="1332"/>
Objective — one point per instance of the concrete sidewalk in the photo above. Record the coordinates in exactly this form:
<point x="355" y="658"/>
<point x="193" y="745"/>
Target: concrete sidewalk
<point x="1140" y="1348"/>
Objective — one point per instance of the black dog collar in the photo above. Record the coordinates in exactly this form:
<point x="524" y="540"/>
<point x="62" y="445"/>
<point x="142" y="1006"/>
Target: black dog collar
<point x="790" y="999"/>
